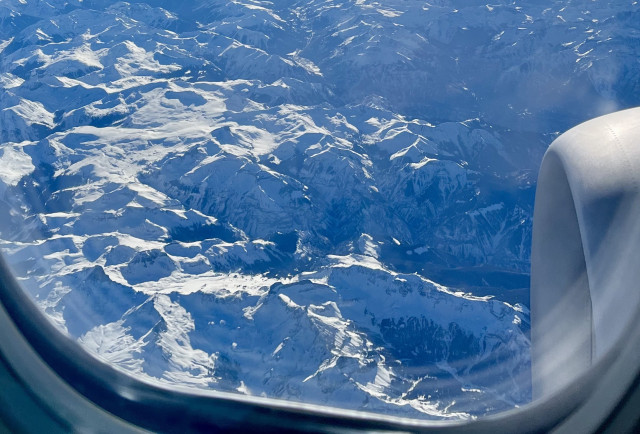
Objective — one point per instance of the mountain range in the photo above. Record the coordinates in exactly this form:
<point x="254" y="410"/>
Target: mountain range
<point x="324" y="201"/>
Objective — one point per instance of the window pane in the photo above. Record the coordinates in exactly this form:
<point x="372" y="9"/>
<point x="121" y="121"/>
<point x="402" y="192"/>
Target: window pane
<point x="327" y="202"/>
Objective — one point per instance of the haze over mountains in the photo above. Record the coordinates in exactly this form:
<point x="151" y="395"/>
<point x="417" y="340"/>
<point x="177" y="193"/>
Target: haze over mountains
<point x="308" y="200"/>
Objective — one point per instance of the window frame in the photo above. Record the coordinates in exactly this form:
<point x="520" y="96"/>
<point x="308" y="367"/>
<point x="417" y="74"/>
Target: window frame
<point x="49" y="381"/>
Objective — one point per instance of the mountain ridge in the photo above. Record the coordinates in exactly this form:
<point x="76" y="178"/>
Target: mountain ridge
<point x="256" y="196"/>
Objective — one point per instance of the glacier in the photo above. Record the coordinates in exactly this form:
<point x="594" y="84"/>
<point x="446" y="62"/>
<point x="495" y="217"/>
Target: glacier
<point x="323" y="201"/>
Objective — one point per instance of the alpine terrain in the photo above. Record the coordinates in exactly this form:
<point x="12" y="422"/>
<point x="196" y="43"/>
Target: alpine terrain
<point x="325" y="201"/>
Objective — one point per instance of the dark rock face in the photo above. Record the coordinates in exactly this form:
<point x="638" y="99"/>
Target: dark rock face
<point x="419" y="340"/>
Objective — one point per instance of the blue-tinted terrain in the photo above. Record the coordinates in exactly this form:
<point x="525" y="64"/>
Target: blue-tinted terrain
<point x="322" y="201"/>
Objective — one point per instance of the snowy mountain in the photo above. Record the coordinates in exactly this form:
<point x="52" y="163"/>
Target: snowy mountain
<point x="260" y="196"/>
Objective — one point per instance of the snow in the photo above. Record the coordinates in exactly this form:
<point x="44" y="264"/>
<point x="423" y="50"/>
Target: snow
<point x="32" y="112"/>
<point x="8" y="80"/>
<point x="253" y="198"/>
<point x="15" y="163"/>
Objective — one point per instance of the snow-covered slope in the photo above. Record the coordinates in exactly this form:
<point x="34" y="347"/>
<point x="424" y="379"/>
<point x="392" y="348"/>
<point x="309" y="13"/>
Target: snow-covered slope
<point x="259" y="196"/>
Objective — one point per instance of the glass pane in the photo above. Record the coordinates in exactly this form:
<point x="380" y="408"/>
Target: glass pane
<point x="319" y="201"/>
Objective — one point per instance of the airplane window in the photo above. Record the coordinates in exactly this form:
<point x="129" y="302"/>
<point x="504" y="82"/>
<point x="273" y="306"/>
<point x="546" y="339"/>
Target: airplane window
<point x="327" y="202"/>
